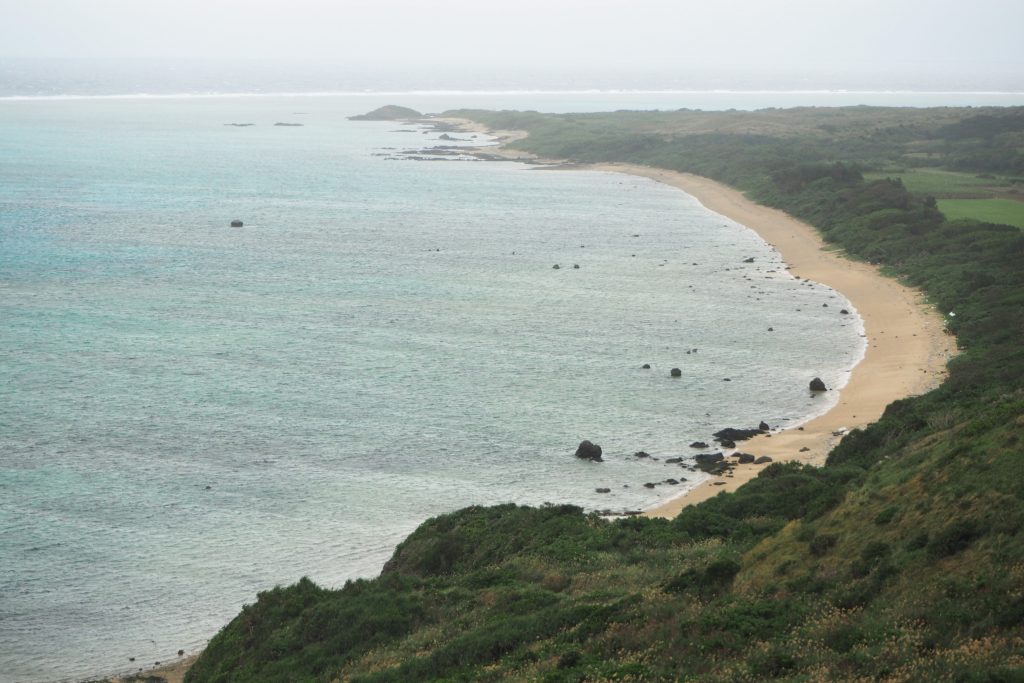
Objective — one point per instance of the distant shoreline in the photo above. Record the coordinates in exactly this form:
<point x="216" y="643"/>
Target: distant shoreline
<point x="907" y="348"/>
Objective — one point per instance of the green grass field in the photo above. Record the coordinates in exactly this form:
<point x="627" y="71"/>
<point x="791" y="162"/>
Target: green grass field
<point x="937" y="182"/>
<point x="1005" y="211"/>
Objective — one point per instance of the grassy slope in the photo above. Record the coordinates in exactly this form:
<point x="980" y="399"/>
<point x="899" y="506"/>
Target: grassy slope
<point x="903" y="559"/>
<point x="994" y="210"/>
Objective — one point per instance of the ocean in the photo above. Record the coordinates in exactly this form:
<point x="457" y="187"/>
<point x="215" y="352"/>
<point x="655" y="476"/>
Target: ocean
<point x="191" y="413"/>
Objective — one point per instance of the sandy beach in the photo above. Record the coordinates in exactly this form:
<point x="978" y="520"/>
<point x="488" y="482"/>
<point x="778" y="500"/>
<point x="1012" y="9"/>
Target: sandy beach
<point x="907" y="347"/>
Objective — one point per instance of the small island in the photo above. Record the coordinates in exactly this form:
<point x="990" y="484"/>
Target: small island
<point x="389" y="112"/>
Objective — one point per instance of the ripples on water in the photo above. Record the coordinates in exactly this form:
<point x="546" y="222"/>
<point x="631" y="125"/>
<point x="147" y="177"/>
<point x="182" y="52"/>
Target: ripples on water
<point x="191" y="413"/>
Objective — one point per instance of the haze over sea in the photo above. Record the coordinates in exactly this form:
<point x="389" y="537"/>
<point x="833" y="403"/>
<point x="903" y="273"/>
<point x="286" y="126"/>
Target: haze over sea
<point x="191" y="413"/>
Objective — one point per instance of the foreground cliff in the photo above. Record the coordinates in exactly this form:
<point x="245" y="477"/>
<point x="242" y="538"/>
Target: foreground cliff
<point x="902" y="559"/>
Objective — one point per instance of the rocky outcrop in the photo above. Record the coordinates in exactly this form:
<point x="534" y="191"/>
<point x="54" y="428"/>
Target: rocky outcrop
<point x="237" y="223"/>
<point x="818" y="385"/>
<point x="589" y="451"/>
<point x="764" y="426"/>
<point x="762" y="460"/>
<point x="744" y="458"/>
<point x="698" y="444"/>
<point x="676" y="372"/>
<point x="733" y="434"/>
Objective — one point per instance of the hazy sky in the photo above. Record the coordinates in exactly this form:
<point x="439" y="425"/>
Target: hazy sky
<point x="936" y="39"/>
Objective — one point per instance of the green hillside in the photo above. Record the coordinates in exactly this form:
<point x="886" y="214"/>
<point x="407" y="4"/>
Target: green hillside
<point x="902" y="559"/>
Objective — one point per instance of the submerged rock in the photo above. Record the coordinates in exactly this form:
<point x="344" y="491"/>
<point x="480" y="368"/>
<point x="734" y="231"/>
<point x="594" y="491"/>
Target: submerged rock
<point x="237" y="223"/>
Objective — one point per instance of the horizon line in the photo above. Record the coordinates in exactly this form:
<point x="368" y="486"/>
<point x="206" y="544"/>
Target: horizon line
<point x="524" y="91"/>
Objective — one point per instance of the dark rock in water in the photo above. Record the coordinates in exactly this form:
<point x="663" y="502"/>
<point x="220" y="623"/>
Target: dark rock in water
<point x="672" y="482"/>
<point x="388" y="112"/>
<point x="649" y="485"/>
<point x="698" y="444"/>
<point x="762" y="460"/>
<point x="181" y="652"/>
<point x="763" y="426"/>
<point x="237" y="223"/>
<point x="240" y="125"/>
<point x="744" y="458"/>
<point x="445" y="136"/>
<point x="603" y="490"/>
<point x="556" y="267"/>
<point x="576" y="266"/>
<point x="676" y="372"/>
<point x="818" y="385"/>
<point x="749" y="260"/>
<point x="843" y="311"/>
<point x="589" y="451"/>
<point x="771" y="329"/>
<point x="709" y="457"/>
<point x="726" y="443"/>
<point x="733" y="434"/>
<point x="672" y="461"/>
<point x="646" y="366"/>
<point x="641" y="454"/>
<point x="289" y="125"/>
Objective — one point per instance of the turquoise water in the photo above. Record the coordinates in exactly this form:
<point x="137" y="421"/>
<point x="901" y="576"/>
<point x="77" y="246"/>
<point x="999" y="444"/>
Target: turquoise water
<point x="191" y="413"/>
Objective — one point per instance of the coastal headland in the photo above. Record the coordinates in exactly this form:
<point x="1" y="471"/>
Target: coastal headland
<point x="907" y="343"/>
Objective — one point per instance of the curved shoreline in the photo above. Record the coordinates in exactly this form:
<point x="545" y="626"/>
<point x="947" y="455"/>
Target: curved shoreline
<point x="907" y="347"/>
<point x="906" y="352"/>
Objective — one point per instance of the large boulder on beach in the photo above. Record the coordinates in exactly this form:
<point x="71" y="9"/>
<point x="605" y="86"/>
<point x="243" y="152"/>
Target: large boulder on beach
<point x="744" y="458"/>
<point x="589" y="451"/>
<point x="818" y="385"/>
<point x="733" y="434"/>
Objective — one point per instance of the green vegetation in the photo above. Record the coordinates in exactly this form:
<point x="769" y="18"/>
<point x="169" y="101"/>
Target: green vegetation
<point x="942" y="183"/>
<point x="1006" y="211"/>
<point x="902" y="559"/>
